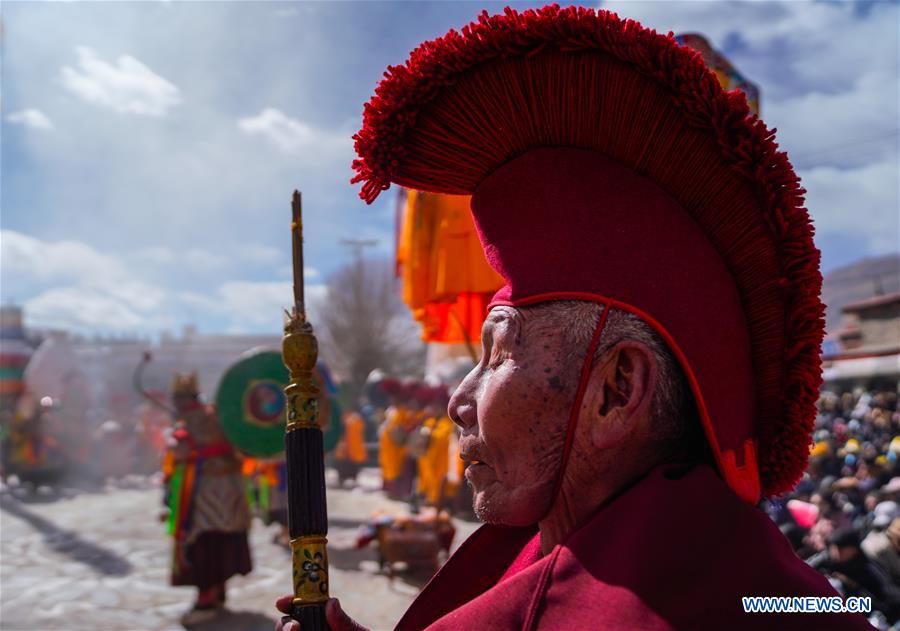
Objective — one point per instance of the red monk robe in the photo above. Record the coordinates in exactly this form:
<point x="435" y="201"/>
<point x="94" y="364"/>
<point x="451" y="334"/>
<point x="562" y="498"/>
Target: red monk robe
<point x="677" y="550"/>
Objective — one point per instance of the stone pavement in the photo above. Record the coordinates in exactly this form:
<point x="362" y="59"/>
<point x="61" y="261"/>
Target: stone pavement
<point x="98" y="560"/>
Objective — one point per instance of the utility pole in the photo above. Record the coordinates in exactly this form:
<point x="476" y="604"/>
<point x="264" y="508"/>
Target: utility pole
<point x="357" y="245"/>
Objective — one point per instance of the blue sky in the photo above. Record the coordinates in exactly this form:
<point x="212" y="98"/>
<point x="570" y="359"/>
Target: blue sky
<point x="149" y="149"/>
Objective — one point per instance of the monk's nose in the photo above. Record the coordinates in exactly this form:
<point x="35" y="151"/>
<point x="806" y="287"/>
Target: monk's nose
<point x="461" y="408"/>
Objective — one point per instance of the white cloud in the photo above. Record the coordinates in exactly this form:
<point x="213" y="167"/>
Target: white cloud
<point x="139" y="295"/>
<point x="128" y="86"/>
<point x="843" y="43"/>
<point x="193" y="259"/>
<point x="85" y="288"/>
<point x="286" y="133"/>
<point x="291" y="135"/>
<point x="263" y="303"/>
<point x="81" y="309"/>
<point x="197" y="182"/>
<point x="156" y="255"/>
<point x="200" y="260"/>
<point x="197" y="300"/>
<point x="255" y="302"/>
<point x="856" y="203"/>
<point x="71" y="285"/>
<point x="828" y="76"/>
<point x="258" y="253"/>
<point x="33" y="118"/>
<point x="219" y="174"/>
<point x="829" y="79"/>
<point x="849" y="128"/>
<point x="24" y="256"/>
<point x="315" y="296"/>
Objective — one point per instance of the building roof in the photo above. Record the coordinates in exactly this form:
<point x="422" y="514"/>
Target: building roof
<point x="869" y="303"/>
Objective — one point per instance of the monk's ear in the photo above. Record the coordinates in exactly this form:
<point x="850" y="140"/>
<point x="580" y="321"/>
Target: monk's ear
<point x="619" y="392"/>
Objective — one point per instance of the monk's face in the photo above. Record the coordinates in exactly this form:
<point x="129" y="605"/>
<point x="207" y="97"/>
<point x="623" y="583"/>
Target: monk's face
<point x="513" y="408"/>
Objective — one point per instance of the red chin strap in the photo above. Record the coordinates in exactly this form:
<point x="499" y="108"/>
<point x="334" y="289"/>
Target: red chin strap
<point x="579" y="396"/>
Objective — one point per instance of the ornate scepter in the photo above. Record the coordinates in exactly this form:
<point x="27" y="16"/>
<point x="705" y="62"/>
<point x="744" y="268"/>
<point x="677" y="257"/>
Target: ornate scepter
<point x="307" y="513"/>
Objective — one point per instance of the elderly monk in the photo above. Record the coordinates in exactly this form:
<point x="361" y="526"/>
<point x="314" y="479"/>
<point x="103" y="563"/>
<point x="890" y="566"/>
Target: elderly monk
<point x="651" y="367"/>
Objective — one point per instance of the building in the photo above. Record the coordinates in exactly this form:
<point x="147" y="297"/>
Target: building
<point x="111" y="364"/>
<point x="864" y="351"/>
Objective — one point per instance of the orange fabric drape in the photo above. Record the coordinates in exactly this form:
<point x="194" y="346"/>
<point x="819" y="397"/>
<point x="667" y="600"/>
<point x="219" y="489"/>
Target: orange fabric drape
<point x="447" y="283"/>
<point x="352" y="445"/>
<point x="455" y="322"/>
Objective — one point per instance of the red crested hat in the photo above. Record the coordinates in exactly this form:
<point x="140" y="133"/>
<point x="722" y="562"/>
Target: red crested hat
<point x="440" y="396"/>
<point x="390" y="386"/>
<point x="421" y="392"/>
<point x="606" y="163"/>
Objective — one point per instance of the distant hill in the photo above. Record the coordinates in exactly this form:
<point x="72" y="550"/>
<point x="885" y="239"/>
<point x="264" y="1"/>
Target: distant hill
<point x="858" y="281"/>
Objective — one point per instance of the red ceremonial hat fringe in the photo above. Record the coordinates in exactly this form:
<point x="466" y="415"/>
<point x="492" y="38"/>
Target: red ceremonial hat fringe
<point x="607" y="164"/>
<point x="391" y="386"/>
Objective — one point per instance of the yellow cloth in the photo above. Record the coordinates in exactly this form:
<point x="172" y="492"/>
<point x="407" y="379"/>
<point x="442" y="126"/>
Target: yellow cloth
<point x="352" y="445"/>
<point x="413" y="251"/>
<point x="456" y="470"/>
<point x="434" y="463"/>
<point x="457" y="259"/>
<point x="391" y="456"/>
<point x="168" y="463"/>
<point x="441" y="264"/>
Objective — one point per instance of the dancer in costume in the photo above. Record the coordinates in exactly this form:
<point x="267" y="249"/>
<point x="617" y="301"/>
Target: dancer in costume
<point x="36" y="454"/>
<point x="433" y="464"/>
<point x="397" y="466"/>
<point x="208" y="513"/>
<point x="266" y="481"/>
<point x="651" y="367"/>
<point x="350" y="452"/>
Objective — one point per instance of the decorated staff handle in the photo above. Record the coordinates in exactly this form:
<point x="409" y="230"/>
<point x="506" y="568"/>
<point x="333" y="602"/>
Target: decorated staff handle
<point x="304" y="453"/>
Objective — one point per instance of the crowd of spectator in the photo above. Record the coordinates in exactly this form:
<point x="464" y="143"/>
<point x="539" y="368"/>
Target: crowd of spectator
<point x="843" y="518"/>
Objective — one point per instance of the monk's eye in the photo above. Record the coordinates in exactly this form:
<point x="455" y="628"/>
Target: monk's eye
<point x="486" y="347"/>
<point x="498" y="355"/>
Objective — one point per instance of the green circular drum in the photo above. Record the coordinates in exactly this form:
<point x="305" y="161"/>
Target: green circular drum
<point x="250" y="402"/>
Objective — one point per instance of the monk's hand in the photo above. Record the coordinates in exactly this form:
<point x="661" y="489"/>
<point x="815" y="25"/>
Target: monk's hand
<point x="283" y="605"/>
<point x="338" y="620"/>
<point x="334" y="615"/>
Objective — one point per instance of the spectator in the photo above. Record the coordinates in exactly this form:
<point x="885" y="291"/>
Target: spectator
<point x="882" y="547"/>
<point x="853" y="482"/>
<point x="854" y="575"/>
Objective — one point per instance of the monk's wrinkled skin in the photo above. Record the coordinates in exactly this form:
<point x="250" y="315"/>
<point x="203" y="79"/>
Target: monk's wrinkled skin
<point x="512" y="409"/>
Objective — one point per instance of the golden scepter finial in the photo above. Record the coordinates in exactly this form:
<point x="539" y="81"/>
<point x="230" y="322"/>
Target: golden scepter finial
<point x="304" y="453"/>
